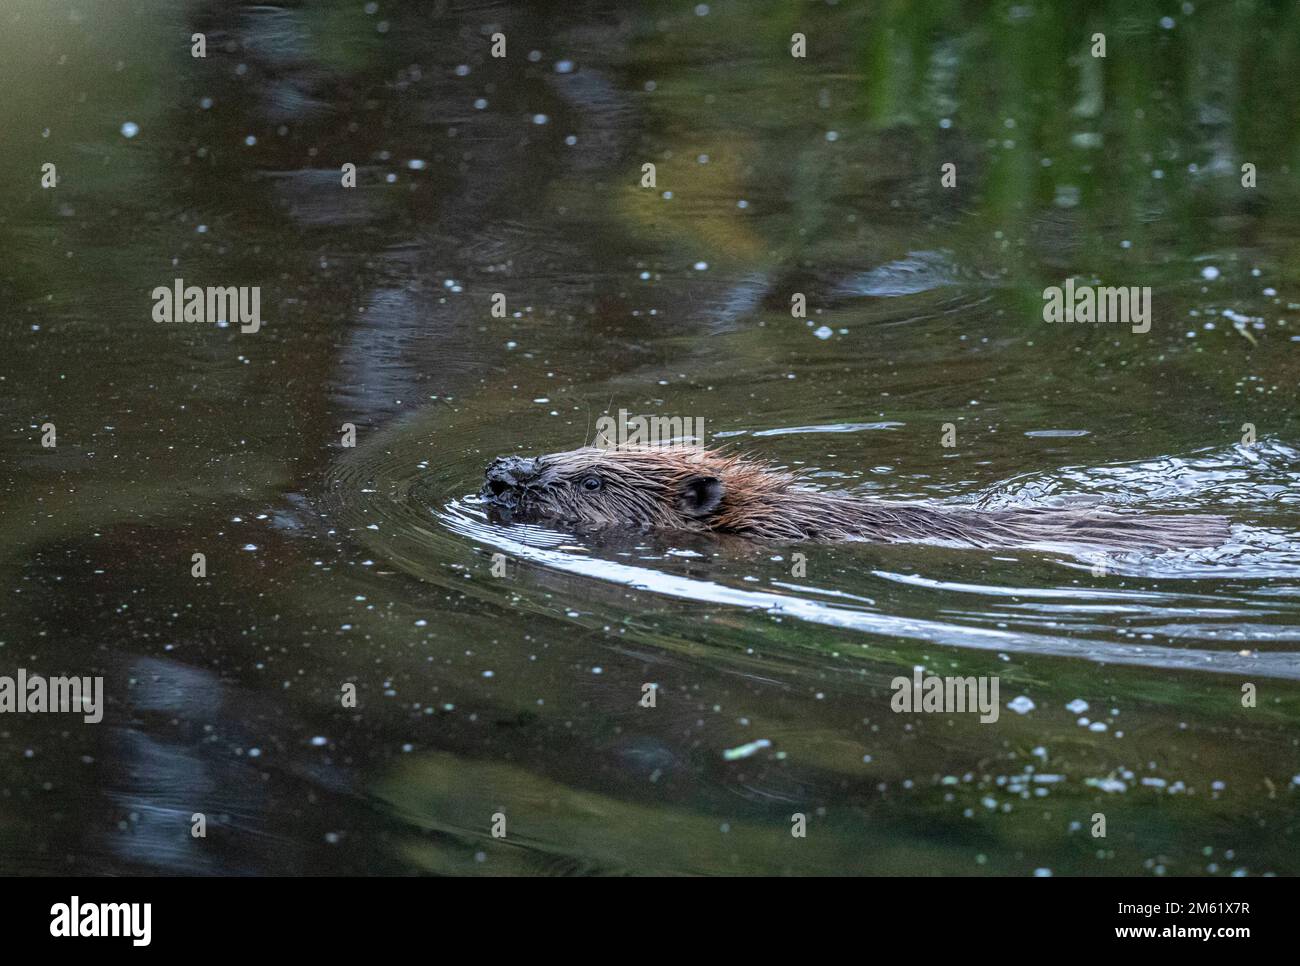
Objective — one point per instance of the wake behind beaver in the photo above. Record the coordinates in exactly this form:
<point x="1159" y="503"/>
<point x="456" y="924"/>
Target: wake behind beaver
<point x="704" y="491"/>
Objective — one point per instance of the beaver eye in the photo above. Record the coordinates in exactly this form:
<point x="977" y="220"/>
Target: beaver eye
<point x="591" y="483"/>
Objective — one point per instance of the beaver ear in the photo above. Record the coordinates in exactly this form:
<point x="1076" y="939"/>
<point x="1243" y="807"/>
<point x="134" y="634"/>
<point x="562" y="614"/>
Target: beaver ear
<point x="700" y="495"/>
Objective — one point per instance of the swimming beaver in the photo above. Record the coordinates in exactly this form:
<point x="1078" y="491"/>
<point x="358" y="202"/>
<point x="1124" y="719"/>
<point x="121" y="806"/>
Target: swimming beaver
<point x="676" y="488"/>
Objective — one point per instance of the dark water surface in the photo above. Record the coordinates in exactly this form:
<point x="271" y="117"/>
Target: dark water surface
<point x="476" y="695"/>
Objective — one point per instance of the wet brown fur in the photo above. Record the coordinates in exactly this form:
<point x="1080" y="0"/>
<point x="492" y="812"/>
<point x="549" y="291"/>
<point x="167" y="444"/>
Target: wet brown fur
<point x="680" y="488"/>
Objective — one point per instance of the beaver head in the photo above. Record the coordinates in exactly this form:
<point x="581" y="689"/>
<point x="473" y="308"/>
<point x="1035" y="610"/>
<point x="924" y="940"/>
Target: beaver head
<point x="671" y="488"/>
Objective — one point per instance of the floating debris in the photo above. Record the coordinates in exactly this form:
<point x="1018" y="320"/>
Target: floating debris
<point x="744" y="751"/>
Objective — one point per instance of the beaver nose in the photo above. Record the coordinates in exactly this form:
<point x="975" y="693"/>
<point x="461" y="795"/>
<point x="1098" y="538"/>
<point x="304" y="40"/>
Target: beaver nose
<point x="508" y="473"/>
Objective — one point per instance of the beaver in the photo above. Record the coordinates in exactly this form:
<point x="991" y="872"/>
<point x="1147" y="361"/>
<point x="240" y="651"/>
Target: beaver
<point x="706" y="491"/>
